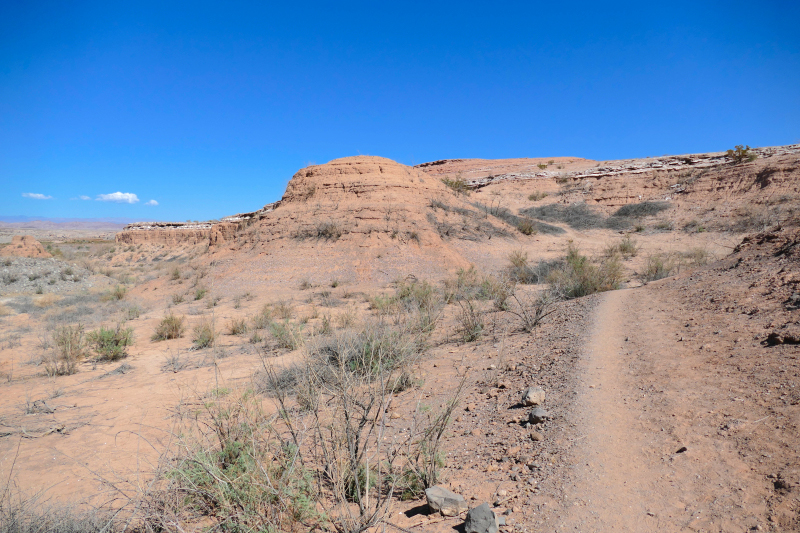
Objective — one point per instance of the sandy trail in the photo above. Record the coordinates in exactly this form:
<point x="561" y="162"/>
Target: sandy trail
<point x="641" y="400"/>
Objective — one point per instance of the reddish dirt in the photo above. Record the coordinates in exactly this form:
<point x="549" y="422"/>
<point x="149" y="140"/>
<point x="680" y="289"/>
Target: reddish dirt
<point x="24" y="246"/>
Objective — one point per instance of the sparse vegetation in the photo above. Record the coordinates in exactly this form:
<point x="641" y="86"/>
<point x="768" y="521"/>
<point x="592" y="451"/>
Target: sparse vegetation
<point x="110" y="344"/>
<point x="170" y="327"/>
<point x="237" y="326"/>
<point x="536" y="196"/>
<point x="741" y="154"/>
<point x="470" y="322"/>
<point x="69" y="347"/>
<point x="204" y="335"/>
<point x="526" y="227"/>
<point x="580" y="277"/>
<point x="287" y="334"/>
<point x="457" y="184"/>
<point x="641" y="209"/>
<point x="200" y="293"/>
<point x="328" y="231"/>
<point x="177" y="298"/>
<point x="659" y="266"/>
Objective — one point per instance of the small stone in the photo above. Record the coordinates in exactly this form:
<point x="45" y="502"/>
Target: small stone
<point x="513" y="451"/>
<point x="515" y="509"/>
<point x="395" y="416"/>
<point x="533" y="396"/>
<point x="458" y="418"/>
<point x="481" y="519"/>
<point x="538" y="415"/>
<point x="476" y="432"/>
<point x="502" y="493"/>
<point x="536" y="436"/>
<point x="445" y="502"/>
<point x="471" y="407"/>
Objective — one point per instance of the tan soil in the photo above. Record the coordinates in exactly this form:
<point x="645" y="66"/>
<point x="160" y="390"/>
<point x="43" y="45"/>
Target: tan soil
<point x="24" y="246"/>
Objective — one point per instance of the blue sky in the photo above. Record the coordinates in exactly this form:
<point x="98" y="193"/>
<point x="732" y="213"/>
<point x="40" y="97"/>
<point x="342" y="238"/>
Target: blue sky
<point x="209" y="108"/>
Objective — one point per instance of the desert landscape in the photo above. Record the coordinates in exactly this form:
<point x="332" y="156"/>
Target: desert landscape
<point x="549" y="344"/>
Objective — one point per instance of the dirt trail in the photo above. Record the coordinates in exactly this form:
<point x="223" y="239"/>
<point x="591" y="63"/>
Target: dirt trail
<point x="640" y="400"/>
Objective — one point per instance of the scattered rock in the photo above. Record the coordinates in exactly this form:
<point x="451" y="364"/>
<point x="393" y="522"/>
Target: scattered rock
<point x="476" y="432"/>
<point x="471" y="407"/>
<point x="784" y="336"/>
<point x="481" y="519"/>
<point x="533" y="396"/>
<point x="445" y="502"/>
<point x="538" y="415"/>
<point x="536" y="436"/>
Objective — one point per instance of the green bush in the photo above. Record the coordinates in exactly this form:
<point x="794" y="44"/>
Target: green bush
<point x="69" y="348"/>
<point x="237" y="326"/>
<point x="458" y="185"/>
<point x="741" y="154"/>
<point x="659" y="266"/>
<point x="110" y="344"/>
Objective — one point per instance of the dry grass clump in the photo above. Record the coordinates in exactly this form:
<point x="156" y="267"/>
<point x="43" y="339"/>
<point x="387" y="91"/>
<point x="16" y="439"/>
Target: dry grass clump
<point x="284" y="310"/>
<point x="526" y="226"/>
<point x="237" y="326"/>
<point x="204" y="334"/>
<point x="519" y="269"/>
<point x="627" y="247"/>
<point x="580" y="277"/>
<point x="46" y="300"/>
<point x="5" y="310"/>
<point x="69" y="347"/>
<point x="660" y="266"/>
<point x="262" y="319"/>
<point x="170" y="327"/>
<point x="457" y="185"/>
<point x="536" y="196"/>
<point x="641" y="209"/>
<point x="288" y="335"/>
<point x="470" y="322"/>
<point x="19" y="514"/>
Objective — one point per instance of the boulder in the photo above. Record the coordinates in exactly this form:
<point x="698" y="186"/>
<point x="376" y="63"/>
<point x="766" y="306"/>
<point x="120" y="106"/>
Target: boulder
<point x="533" y="396"/>
<point x="481" y="519"/>
<point x="445" y="502"/>
<point x="538" y="415"/>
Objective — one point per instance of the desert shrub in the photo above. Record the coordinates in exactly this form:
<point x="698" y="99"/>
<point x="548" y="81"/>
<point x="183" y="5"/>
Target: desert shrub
<point x="237" y="326"/>
<point x="532" y="309"/>
<point x="627" y="247"/>
<point x="170" y="327"/>
<point x="580" y="277"/>
<point x="659" y="266"/>
<point x="470" y="322"/>
<point x="663" y="225"/>
<point x="519" y="270"/>
<point x="69" y="347"/>
<point x="132" y="312"/>
<point x="287" y="334"/>
<point x="284" y="310"/>
<point x="641" y="209"/>
<point x="741" y="154"/>
<point x="200" y="293"/>
<point x="262" y="319"/>
<point x="305" y="284"/>
<point x="347" y="319"/>
<point x="526" y="227"/>
<point x="204" y="335"/>
<point x="328" y="231"/>
<point x="177" y="298"/>
<point x="175" y="275"/>
<point x="231" y="467"/>
<point x="577" y="216"/>
<point x="110" y="344"/>
<point x="536" y="196"/>
<point x="457" y="184"/>
<point x="697" y="256"/>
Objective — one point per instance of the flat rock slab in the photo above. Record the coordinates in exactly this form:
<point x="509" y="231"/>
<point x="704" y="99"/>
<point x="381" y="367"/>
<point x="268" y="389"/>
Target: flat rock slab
<point x="445" y="502"/>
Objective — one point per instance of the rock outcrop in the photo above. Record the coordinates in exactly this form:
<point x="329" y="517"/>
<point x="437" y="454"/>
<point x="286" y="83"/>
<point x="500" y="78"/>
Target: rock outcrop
<point x="25" y="246"/>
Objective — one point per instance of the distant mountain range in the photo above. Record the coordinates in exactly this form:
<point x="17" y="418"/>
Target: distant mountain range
<point x="114" y="221"/>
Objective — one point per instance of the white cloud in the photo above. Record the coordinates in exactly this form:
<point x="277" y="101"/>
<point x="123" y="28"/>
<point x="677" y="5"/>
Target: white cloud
<point x="119" y="197"/>
<point x="84" y="197"/>
<point x="36" y="196"/>
<point x="151" y="202"/>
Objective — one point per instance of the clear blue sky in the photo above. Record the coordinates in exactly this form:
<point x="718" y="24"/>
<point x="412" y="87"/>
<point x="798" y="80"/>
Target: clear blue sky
<point x="209" y="108"/>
